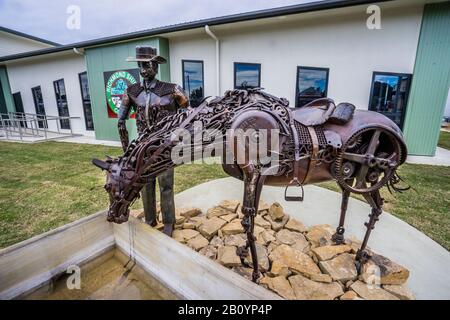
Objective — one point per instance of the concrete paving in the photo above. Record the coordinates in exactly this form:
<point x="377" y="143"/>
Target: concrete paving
<point x="428" y="262"/>
<point x="441" y="158"/>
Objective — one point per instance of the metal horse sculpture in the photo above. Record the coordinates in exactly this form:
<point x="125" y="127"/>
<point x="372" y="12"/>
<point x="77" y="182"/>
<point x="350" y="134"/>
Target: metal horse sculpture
<point x="360" y="150"/>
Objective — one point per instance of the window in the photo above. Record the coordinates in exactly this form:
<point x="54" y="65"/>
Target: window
<point x="193" y="82"/>
<point x="39" y="106"/>
<point x="247" y="75"/>
<point x="312" y="84"/>
<point x="389" y="95"/>
<point x="61" y="102"/>
<point x="18" y="104"/>
<point x="86" y="99"/>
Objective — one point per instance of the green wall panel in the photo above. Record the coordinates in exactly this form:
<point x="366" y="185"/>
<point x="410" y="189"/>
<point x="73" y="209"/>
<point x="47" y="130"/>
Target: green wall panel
<point x="431" y="81"/>
<point x="4" y="81"/>
<point x="109" y="58"/>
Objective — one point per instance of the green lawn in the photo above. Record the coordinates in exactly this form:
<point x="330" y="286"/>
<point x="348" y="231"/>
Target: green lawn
<point x="444" y="140"/>
<point x="45" y="185"/>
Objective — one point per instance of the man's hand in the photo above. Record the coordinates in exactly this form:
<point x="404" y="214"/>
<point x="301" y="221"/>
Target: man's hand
<point x="123" y="133"/>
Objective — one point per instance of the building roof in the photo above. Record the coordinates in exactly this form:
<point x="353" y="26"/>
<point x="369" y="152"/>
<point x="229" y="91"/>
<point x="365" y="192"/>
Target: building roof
<point x="253" y="15"/>
<point x="28" y="36"/>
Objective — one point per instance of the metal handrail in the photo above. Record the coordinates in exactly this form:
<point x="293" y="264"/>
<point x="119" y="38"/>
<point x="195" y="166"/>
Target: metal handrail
<point x="32" y="125"/>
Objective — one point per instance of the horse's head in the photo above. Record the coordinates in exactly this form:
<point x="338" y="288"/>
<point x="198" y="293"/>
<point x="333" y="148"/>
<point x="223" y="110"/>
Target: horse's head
<point x="122" y="186"/>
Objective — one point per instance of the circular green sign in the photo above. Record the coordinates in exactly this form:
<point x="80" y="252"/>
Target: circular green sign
<point x="116" y="86"/>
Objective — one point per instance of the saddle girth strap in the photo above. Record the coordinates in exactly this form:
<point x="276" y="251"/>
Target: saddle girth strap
<point x="314" y="153"/>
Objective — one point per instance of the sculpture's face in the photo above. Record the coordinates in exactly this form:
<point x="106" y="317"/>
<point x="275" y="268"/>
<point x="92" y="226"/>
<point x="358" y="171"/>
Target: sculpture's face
<point x="120" y="188"/>
<point x="148" y="70"/>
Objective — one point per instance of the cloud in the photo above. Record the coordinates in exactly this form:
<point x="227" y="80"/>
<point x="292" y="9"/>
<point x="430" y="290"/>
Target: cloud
<point x="47" y="18"/>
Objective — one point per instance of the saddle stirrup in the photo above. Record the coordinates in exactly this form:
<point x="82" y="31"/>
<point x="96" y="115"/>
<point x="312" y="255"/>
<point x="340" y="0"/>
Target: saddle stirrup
<point x="294" y="184"/>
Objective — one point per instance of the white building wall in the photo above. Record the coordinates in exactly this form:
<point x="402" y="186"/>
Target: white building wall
<point x="24" y="75"/>
<point x="335" y="39"/>
<point x="12" y="44"/>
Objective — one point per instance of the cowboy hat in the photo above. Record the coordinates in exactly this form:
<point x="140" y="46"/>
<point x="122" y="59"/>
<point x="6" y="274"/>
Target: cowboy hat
<point x="146" y="54"/>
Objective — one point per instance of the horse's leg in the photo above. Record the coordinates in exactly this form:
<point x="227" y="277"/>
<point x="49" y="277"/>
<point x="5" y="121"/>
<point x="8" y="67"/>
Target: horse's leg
<point x="376" y="202"/>
<point x="338" y="236"/>
<point x="253" y="181"/>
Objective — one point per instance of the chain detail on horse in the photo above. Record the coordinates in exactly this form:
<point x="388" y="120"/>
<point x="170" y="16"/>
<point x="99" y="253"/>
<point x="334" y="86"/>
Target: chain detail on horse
<point x="360" y="150"/>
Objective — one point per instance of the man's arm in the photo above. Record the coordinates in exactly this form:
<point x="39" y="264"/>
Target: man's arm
<point x="124" y="112"/>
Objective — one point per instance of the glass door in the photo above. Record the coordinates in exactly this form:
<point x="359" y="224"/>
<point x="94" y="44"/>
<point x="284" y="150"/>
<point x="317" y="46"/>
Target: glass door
<point x="86" y="99"/>
<point x="61" y="102"/>
<point x="389" y="95"/>
<point x="39" y="106"/>
<point x="17" y="97"/>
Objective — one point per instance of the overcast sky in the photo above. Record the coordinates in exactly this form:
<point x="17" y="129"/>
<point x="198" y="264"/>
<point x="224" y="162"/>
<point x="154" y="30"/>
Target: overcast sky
<point x="98" y="18"/>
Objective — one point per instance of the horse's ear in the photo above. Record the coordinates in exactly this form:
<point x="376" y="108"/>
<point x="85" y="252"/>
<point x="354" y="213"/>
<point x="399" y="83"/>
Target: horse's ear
<point x="101" y="164"/>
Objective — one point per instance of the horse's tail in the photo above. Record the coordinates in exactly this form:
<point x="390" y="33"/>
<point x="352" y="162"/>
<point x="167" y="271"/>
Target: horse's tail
<point x="393" y="184"/>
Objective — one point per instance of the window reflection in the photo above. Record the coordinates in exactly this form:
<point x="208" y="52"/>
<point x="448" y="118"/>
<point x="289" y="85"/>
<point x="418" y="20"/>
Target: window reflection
<point x="389" y="95"/>
<point x="312" y="84"/>
<point x="193" y="82"/>
<point x="247" y="75"/>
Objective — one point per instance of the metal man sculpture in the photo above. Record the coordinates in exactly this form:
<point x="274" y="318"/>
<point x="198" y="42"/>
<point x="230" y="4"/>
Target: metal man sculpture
<point x="360" y="150"/>
<point x="153" y="100"/>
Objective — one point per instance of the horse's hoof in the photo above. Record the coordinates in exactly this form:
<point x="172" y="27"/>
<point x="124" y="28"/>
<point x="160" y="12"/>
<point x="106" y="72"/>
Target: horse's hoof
<point x="168" y="229"/>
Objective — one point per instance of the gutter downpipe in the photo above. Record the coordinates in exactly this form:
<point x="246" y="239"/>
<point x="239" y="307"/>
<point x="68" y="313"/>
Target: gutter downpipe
<point x="212" y="35"/>
<point x="78" y="51"/>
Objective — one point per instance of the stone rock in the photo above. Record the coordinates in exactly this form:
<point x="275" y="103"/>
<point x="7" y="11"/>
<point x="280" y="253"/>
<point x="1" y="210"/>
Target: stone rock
<point x="198" y="242"/>
<point x="189" y="212"/>
<point x="209" y="251"/>
<point x="371" y="292"/>
<point x="295" y="225"/>
<point x="276" y="211"/>
<point x="198" y="220"/>
<point x="295" y="239"/>
<point x="179" y="219"/>
<point x="265" y="237"/>
<point x="272" y="246"/>
<point x="216" y="242"/>
<point x="328" y="252"/>
<point x="260" y="221"/>
<point x="216" y="212"/>
<point x="388" y="271"/>
<point x="263" y="259"/>
<point x="349" y="295"/>
<point x="401" y="291"/>
<point x="295" y="260"/>
<point x="289" y="237"/>
<point x="188" y="225"/>
<point x="137" y="213"/>
<point x="159" y="226"/>
<point x="227" y="256"/>
<point x="210" y="227"/>
<point x="184" y="235"/>
<point x="279" y="285"/>
<point x="234" y="227"/>
<point x="320" y="277"/>
<point x="279" y="268"/>
<point x="341" y="268"/>
<point x="244" y="272"/>
<point x="229" y="217"/>
<point x="237" y="240"/>
<point x="239" y="212"/>
<point x="179" y="226"/>
<point x="263" y="207"/>
<point x="277" y="225"/>
<point x="306" y="289"/>
<point x="230" y="205"/>
<point x="320" y="235"/>
<point x="302" y="245"/>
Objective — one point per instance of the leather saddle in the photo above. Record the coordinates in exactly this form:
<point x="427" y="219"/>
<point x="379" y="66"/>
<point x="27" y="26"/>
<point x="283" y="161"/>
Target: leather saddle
<point x="323" y="110"/>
